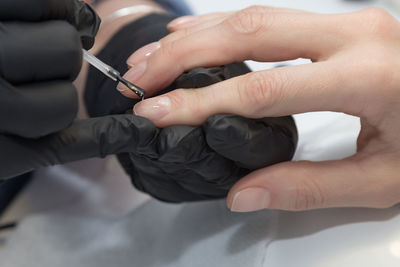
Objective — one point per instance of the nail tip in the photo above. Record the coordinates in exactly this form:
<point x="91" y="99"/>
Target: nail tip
<point x="250" y="200"/>
<point x="143" y="53"/>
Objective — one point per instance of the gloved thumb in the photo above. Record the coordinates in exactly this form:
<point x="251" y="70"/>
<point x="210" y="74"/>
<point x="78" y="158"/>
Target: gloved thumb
<point x="84" y="139"/>
<point x="303" y="185"/>
<point x="86" y="21"/>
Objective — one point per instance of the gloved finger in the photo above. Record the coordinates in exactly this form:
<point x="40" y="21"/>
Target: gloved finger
<point x="272" y="93"/>
<point x="77" y="13"/>
<point x="311" y="185"/>
<point x="207" y="178"/>
<point x="252" y="144"/>
<point x="184" y="149"/>
<point x="37" y="110"/>
<point x="180" y="143"/>
<point x="185" y="144"/>
<point x="147" y="50"/>
<point x="84" y="139"/>
<point x="166" y="190"/>
<point x="160" y="179"/>
<point x="39" y="52"/>
<point x="255" y="33"/>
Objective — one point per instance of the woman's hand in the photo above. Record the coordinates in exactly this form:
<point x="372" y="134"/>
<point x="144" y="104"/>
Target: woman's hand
<point x="355" y="69"/>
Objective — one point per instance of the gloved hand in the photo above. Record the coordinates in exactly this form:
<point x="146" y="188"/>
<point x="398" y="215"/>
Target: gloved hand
<point x="40" y="56"/>
<point x="184" y="163"/>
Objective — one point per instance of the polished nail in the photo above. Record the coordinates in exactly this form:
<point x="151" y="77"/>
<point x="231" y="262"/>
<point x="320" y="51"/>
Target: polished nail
<point x="133" y="75"/>
<point x="251" y="199"/>
<point x="181" y="21"/>
<point x="153" y="109"/>
<point x="143" y="53"/>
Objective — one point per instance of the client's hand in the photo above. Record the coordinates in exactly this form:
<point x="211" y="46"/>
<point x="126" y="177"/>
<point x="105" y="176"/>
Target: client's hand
<point x="40" y="55"/>
<point x="355" y="69"/>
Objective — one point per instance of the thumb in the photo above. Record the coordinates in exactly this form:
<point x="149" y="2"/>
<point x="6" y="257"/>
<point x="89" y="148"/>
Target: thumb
<point x="302" y="186"/>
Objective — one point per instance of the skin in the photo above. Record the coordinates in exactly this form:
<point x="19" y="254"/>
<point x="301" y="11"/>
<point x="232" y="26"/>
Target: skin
<point x="355" y="70"/>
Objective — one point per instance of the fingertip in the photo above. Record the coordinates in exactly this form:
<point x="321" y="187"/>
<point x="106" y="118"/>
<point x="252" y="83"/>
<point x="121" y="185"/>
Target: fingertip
<point x="179" y="107"/>
<point x="250" y="199"/>
<point x="154" y="109"/>
<point x="256" y="191"/>
<point x="125" y="91"/>
<point x="143" y="53"/>
<point x="134" y="74"/>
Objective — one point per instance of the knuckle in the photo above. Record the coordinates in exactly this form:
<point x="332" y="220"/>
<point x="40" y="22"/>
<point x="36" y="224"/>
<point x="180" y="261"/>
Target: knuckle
<point x="383" y="70"/>
<point x="170" y="50"/>
<point x="381" y="64"/>
<point x="377" y="21"/>
<point x="189" y="101"/>
<point x="308" y="195"/>
<point x="260" y="91"/>
<point x="247" y="21"/>
<point x="177" y="98"/>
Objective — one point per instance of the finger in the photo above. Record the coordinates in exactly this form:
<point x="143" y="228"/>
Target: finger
<point x="309" y="185"/>
<point x="142" y="54"/>
<point x="252" y="144"/>
<point x="84" y="139"/>
<point x="191" y="21"/>
<point x="255" y="34"/>
<point x="39" y="52"/>
<point x="37" y="110"/>
<point x="187" y="31"/>
<point x="193" y="24"/>
<point x="272" y="93"/>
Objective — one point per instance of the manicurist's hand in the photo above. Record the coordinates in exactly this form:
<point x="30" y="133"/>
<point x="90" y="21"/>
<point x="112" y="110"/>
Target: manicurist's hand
<point x="40" y="56"/>
<point x="355" y="69"/>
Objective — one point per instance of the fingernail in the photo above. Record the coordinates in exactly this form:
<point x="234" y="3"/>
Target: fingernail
<point x="153" y="109"/>
<point x="182" y="20"/>
<point x="143" y="53"/>
<point x="251" y="199"/>
<point x="133" y="75"/>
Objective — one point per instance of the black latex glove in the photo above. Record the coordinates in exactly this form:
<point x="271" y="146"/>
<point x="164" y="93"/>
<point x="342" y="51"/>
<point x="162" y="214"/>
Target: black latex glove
<point x="40" y="56"/>
<point x="184" y="163"/>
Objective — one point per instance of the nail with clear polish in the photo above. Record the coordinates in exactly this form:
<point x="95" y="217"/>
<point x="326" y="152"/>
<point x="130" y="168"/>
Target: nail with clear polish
<point x="143" y="53"/>
<point x="133" y="75"/>
<point x="154" y="108"/>
<point x="251" y="199"/>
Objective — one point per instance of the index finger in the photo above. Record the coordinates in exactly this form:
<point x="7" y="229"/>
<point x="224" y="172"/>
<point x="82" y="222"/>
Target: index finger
<point x="273" y="93"/>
